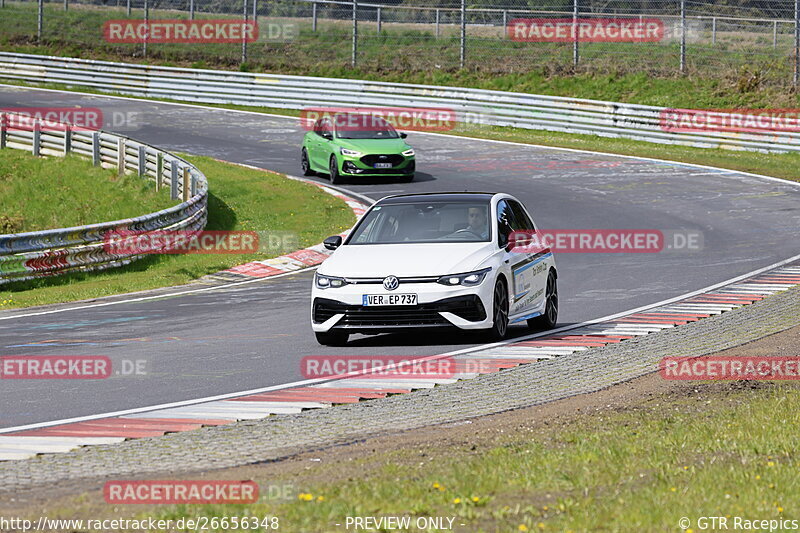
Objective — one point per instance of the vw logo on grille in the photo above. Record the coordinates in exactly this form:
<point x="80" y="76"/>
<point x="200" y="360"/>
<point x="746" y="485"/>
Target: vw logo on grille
<point x="390" y="283"/>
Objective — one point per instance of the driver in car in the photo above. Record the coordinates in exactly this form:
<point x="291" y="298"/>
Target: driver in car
<point x="476" y="223"/>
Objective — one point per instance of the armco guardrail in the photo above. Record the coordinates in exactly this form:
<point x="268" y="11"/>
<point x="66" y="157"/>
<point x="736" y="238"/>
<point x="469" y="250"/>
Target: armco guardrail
<point x="550" y="113"/>
<point x="46" y="253"/>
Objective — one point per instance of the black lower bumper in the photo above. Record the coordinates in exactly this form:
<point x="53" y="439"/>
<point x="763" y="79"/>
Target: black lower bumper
<point x="376" y="319"/>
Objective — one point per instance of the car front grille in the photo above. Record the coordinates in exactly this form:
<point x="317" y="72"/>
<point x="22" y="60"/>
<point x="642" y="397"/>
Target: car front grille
<point x="422" y="315"/>
<point x="394" y="159"/>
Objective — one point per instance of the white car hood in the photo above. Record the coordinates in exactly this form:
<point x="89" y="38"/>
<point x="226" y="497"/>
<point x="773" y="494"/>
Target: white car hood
<point x="404" y="260"/>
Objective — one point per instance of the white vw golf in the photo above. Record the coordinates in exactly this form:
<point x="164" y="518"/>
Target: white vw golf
<point x="435" y="260"/>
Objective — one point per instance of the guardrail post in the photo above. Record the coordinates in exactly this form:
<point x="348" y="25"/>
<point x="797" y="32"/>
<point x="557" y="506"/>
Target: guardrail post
<point x="463" y="53"/>
<point x="66" y="5"/>
<point x="314" y="16"/>
<point x="774" y="34"/>
<point x="96" y="148"/>
<point x="37" y="138"/>
<point x="194" y="185"/>
<point x="40" y="20"/>
<point x="121" y="149"/>
<point x="159" y="170"/>
<point x="683" y="35"/>
<point x="129" y="8"/>
<point x="3" y="130"/>
<point x="575" y="51"/>
<point x="191" y="9"/>
<point x="796" y="41"/>
<point x="378" y="15"/>
<point x="437" y="23"/>
<point x="173" y="190"/>
<point x="67" y="139"/>
<point x="186" y="183"/>
<point x="354" y="57"/>
<point x="714" y="30"/>
<point x="255" y="11"/>
<point x="244" y="33"/>
<point x="142" y="168"/>
<point x="505" y="22"/>
<point x="147" y="27"/>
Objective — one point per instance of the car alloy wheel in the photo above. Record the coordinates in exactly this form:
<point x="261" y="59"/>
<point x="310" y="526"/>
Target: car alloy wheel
<point x="333" y="167"/>
<point x="499" y="311"/>
<point x="305" y="164"/>
<point x="549" y="318"/>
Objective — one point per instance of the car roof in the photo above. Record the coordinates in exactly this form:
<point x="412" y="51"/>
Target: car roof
<point x="437" y="197"/>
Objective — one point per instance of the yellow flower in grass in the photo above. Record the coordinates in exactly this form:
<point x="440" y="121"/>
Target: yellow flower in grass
<point x="457" y="500"/>
<point x="476" y="499"/>
<point x="522" y="527"/>
<point x="305" y="496"/>
<point x="320" y="498"/>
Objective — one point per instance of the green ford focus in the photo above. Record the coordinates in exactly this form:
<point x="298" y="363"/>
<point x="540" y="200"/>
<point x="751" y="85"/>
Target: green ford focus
<point x="350" y="145"/>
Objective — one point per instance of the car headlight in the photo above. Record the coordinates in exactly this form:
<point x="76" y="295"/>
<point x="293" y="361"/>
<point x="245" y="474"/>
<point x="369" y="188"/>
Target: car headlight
<point x="326" y="282"/>
<point x="409" y="152"/>
<point x="349" y="153"/>
<point x="468" y="278"/>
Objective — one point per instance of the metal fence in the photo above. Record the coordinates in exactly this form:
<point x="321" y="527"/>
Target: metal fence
<point x="37" y="254"/>
<point x="470" y="106"/>
<point x="755" y="40"/>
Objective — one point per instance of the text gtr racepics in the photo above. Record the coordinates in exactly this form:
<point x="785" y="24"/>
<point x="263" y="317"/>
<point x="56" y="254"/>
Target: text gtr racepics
<point x="348" y="145"/>
<point x="435" y="260"/>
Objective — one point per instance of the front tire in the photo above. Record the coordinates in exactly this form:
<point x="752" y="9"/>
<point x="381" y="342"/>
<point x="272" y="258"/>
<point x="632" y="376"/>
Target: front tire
<point x="499" y="327"/>
<point x="549" y="318"/>
<point x="333" y="170"/>
<point x="407" y="179"/>
<point x="332" y="338"/>
<point x="305" y="164"/>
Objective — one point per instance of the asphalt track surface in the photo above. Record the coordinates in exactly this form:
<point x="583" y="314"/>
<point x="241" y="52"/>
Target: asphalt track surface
<point x="255" y="335"/>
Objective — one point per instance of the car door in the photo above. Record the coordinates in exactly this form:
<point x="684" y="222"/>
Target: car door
<point x="324" y="141"/>
<point x="522" y="268"/>
<point x="537" y="258"/>
<point x="312" y="143"/>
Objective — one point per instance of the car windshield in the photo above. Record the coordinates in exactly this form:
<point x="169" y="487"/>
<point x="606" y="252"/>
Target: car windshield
<point x="363" y="126"/>
<point x="424" y="222"/>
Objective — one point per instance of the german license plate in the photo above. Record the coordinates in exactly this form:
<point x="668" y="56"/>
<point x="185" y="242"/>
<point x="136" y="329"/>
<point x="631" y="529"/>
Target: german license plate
<point x="383" y="165"/>
<point x="389" y="299"/>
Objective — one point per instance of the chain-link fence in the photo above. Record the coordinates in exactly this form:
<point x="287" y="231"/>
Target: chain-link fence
<point x="757" y="40"/>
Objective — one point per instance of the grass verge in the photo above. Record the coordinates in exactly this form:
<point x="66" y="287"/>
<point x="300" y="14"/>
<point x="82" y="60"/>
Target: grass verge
<point x="707" y="450"/>
<point x="239" y="199"/>
<point x="31" y="186"/>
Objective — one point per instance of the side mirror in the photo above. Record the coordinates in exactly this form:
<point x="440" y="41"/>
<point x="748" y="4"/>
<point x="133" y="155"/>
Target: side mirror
<point x="332" y="243"/>
<point x="403" y="135"/>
